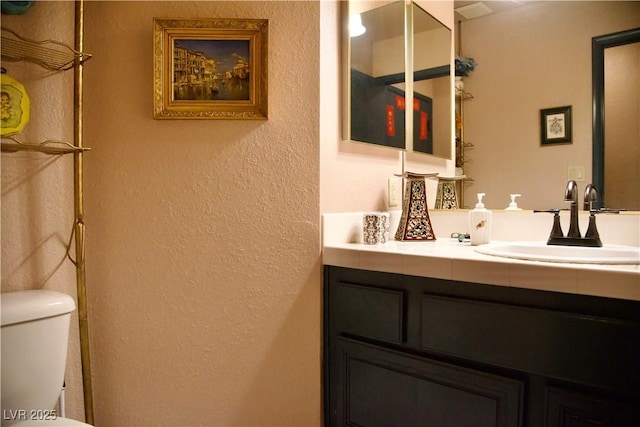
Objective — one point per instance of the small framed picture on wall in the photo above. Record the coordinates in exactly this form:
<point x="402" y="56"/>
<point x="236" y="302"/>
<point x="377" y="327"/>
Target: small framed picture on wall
<point x="555" y="125"/>
<point x="210" y="68"/>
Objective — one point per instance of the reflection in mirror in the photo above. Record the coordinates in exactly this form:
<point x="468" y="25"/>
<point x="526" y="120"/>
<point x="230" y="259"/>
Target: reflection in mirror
<point x="377" y="90"/>
<point x="616" y="134"/>
<point x="431" y="85"/>
<point x="377" y="107"/>
<point x="534" y="57"/>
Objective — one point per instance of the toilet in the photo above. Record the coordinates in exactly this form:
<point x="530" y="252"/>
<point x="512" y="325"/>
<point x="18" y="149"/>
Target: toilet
<point x="35" y="334"/>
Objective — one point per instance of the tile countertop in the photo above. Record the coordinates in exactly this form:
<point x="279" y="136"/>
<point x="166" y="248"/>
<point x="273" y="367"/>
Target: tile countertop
<point x="447" y="258"/>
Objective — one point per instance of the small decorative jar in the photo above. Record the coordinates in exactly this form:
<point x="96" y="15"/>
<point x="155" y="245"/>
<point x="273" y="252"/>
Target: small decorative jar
<point x="375" y="228"/>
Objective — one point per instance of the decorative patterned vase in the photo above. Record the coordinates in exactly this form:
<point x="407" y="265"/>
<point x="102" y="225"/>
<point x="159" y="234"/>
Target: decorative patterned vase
<point x="447" y="194"/>
<point x="415" y="224"/>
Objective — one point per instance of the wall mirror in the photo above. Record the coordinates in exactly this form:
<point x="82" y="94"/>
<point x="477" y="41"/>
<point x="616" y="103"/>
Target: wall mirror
<point x="534" y="57"/>
<point x="398" y="61"/>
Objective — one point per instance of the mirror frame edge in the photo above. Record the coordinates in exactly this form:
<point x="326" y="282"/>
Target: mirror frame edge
<point x="345" y="57"/>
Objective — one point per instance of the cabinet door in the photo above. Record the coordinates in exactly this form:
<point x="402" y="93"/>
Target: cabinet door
<point x="569" y="409"/>
<point x="369" y="311"/>
<point x="569" y="346"/>
<point x="373" y="386"/>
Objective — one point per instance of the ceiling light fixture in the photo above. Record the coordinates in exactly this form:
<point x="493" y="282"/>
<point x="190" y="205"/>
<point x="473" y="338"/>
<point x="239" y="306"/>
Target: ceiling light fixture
<point x="355" y="25"/>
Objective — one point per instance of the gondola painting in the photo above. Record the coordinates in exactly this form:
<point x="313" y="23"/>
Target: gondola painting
<point x="210" y="69"/>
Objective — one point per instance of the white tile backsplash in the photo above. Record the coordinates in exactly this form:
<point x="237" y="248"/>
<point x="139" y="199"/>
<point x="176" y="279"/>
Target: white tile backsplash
<point x="615" y="229"/>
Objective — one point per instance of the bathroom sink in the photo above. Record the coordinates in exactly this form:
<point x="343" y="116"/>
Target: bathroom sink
<point x="540" y="251"/>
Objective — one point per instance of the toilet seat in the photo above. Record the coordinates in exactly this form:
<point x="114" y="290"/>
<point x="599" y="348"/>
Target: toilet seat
<point x="58" y="422"/>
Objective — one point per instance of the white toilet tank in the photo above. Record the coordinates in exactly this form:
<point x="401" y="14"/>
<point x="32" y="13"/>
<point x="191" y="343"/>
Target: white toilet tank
<point x="35" y="334"/>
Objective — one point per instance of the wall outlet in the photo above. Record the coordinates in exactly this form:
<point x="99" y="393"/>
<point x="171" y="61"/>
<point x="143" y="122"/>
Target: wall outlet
<point x="394" y="192"/>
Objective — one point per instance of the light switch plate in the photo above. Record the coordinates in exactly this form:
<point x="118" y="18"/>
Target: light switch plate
<point x="577" y="173"/>
<point x="394" y="192"/>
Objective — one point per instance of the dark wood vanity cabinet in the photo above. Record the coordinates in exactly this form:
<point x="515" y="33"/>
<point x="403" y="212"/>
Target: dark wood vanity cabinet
<point x="412" y="351"/>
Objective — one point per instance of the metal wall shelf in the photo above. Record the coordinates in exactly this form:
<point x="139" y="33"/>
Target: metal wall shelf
<point x="50" y="54"/>
<point x="461" y="144"/>
<point x="53" y="147"/>
<point x="56" y="56"/>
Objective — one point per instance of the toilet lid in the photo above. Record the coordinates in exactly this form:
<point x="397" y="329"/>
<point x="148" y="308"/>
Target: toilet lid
<point x="58" y="422"/>
<point x="24" y="306"/>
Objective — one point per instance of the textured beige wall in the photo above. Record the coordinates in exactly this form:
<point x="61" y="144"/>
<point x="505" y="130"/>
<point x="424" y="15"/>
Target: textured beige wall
<point x="532" y="58"/>
<point x="37" y="189"/>
<point x="203" y="236"/>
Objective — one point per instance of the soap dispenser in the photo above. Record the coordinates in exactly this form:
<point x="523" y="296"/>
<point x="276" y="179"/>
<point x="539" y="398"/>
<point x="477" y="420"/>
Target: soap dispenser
<point x="513" y="206"/>
<point x="480" y="220"/>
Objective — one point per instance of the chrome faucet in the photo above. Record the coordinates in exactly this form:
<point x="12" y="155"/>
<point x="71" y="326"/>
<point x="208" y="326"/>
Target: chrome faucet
<point x="590" y="196"/>
<point x="573" y="237"/>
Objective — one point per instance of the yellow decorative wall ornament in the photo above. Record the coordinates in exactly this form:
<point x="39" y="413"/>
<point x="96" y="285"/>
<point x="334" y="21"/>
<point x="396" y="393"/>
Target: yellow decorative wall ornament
<point x="15" y="106"/>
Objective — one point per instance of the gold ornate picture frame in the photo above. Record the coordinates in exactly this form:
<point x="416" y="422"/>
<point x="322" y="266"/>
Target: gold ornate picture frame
<point x="210" y="68"/>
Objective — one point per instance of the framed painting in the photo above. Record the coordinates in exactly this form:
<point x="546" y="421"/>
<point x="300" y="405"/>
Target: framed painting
<point x="210" y="68"/>
<point x="555" y="125"/>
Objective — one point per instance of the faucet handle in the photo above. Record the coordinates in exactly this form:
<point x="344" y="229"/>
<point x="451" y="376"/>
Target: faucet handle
<point x="606" y="210"/>
<point x="556" y="230"/>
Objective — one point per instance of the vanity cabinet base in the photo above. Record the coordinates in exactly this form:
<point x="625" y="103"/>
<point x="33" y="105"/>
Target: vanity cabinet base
<point x="378" y="387"/>
<point x="412" y="351"/>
